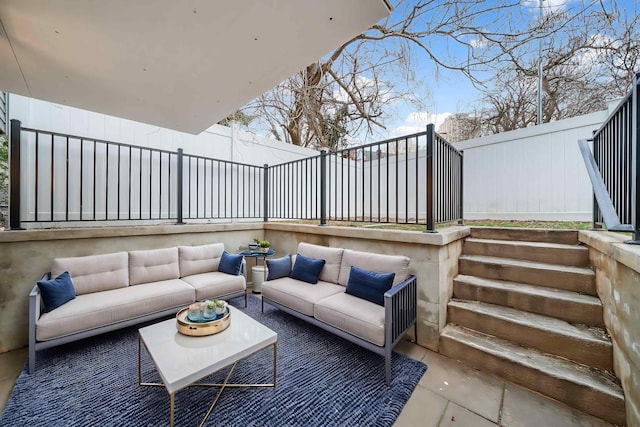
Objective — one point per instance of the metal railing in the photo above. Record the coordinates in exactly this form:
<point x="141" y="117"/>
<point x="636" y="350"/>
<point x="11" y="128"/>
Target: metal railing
<point x="615" y="149"/>
<point x="414" y="179"/>
<point x="55" y="177"/>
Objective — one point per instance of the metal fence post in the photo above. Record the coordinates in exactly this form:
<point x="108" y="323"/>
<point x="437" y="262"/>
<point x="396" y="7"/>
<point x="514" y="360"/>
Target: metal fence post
<point x="635" y="162"/>
<point x="266" y="193"/>
<point x="180" y="183"/>
<point x="323" y="187"/>
<point x="461" y="221"/>
<point x="14" y="176"/>
<point x="429" y="179"/>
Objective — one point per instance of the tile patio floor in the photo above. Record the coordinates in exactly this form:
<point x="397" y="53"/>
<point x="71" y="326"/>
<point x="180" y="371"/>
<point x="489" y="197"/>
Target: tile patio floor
<point x="449" y="394"/>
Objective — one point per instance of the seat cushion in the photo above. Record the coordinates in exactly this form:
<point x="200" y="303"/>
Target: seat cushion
<point x="354" y="315"/>
<point x="199" y="259"/>
<point x="153" y="265"/>
<point x="90" y="311"/>
<point x="94" y="273"/>
<point x="331" y="256"/>
<point x="297" y="295"/>
<point x="374" y="262"/>
<point x="215" y="284"/>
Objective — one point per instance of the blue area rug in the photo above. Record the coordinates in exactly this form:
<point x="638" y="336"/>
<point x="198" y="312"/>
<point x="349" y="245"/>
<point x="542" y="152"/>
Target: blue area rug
<point x="322" y="380"/>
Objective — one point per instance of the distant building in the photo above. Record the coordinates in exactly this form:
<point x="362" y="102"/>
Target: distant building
<point x="460" y="127"/>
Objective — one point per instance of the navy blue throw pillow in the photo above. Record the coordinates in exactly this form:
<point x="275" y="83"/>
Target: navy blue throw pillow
<point x="307" y="269"/>
<point x="56" y="292"/>
<point x="279" y="267"/>
<point x="369" y="285"/>
<point x="230" y="264"/>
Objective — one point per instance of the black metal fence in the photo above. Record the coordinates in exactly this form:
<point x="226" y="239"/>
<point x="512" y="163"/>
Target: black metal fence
<point x="616" y="146"/>
<point x="416" y="179"/>
<point x="70" y="178"/>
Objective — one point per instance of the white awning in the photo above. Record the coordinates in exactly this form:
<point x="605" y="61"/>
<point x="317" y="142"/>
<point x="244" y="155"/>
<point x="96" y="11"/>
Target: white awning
<point x="182" y="65"/>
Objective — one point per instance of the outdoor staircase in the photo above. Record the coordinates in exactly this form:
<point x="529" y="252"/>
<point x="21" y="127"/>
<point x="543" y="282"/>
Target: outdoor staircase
<point x="525" y="308"/>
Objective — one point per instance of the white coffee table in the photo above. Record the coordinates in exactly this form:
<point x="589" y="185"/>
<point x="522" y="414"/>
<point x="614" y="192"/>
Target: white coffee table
<point x="182" y="360"/>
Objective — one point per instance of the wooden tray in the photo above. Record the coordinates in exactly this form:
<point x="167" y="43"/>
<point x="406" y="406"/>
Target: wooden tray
<point x="187" y="327"/>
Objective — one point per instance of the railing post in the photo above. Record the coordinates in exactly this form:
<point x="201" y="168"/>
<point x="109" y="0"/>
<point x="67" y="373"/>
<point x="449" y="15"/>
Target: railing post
<point x="635" y="162"/>
<point x="461" y="221"/>
<point x="14" y="175"/>
<point x="323" y="187"/>
<point x="429" y="179"/>
<point x="179" y="183"/>
<point x="266" y="193"/>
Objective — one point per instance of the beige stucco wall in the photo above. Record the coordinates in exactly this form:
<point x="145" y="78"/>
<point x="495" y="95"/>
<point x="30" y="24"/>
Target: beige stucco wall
<point x="26" y="255"/>
<point x="617" y="267"/>
<point x="434" y="261"/>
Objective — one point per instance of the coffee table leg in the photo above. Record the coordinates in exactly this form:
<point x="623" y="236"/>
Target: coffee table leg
<point x="222" y="387"/>
<point x="171" y="397"/>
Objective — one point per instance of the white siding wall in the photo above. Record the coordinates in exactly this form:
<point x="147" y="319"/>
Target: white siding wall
<point x="535" y="173"/>
<point x="218" y="142"/>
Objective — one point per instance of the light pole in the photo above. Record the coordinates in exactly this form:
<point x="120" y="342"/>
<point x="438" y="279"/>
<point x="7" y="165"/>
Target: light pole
<point x="540" y="70"/>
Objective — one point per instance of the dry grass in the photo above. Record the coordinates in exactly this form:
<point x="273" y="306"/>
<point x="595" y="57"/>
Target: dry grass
<point x="558" y="225"/>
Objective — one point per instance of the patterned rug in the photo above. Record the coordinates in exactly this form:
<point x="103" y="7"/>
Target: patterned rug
<point x="322" y="380"/>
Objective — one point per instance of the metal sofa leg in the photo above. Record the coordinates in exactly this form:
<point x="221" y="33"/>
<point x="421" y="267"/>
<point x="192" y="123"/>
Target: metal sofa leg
<point x="245" y="298"/>
<point x="387" y="363"/>
<point x="32" y="359"/>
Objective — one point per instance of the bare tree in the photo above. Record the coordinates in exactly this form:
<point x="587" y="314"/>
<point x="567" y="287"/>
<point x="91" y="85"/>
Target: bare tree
<point x="365" y="76"/>
<point x="586" y="63"/>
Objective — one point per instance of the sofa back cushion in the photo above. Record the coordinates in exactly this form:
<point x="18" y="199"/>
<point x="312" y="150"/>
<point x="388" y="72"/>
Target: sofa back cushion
<point x="199" y="259"/>
<point x="331" y="256"/>
<point x="153" y="265"/>
<point x="94" y="273"/>
<point x="378" y="263"/>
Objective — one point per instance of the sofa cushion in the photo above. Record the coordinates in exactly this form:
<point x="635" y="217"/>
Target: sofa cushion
<point x="356" y="316"/>
<point x="297" y="295"/>
<point x="199" y="259"/>
<point x="332" y="257"/>
<point x="56" y="292"/>
<point x="374" y="262"/>
<point x="230" y="263"/>
<point x="153" y="265"/>
<point x="279" y="267"/>
<point x="215" y="284"/>
<point x="93" y="310"/>
<point x="369" y="285"/>
<point x="94" y="273"/>
<point x="307" y="269"/>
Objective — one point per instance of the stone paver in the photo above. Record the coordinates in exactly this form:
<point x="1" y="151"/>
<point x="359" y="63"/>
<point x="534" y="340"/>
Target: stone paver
<point x="424" y="408"/>
<point x="457" y="416"/>
<point x="522" y="404"/>
<point x="469" y="388"/>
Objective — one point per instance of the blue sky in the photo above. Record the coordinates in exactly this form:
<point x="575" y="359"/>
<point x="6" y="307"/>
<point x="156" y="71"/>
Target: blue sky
<point x="445" y="92"/>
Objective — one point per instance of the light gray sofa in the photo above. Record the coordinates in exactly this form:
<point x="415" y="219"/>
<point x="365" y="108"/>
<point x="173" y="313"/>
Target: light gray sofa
<point x="121" y="289"/>
<point x="326" y="305"/>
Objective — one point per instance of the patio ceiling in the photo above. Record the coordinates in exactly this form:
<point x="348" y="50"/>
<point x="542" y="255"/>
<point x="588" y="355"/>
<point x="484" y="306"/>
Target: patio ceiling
<point x="176" y="64"/>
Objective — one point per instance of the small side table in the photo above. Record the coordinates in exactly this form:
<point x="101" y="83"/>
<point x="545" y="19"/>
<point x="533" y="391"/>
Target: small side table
<point x="256" y="255"/>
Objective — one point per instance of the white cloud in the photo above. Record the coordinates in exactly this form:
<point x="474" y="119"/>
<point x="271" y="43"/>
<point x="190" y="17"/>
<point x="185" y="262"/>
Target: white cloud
<point x="417" y="122"/>
<point x="547" y="5"/>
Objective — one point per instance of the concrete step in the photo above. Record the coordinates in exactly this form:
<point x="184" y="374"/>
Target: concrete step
<point x="575" y="279"/>
<point x="588" y="346"/>
<point x="551" y="253"/>
<point x="565" y="305"/>
<point x="567" y="237"/>
<point x="585" y="389"/>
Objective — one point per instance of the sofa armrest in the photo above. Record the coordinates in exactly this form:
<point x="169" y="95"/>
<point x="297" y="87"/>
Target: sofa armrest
<point x="400" y="309"/>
